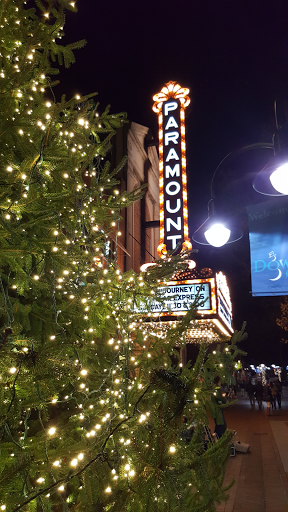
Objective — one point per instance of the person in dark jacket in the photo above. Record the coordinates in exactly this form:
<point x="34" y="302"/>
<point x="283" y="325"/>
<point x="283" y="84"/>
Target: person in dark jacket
<point x="218" y="398"/>
<point x="267" y="393"/>
<point x="259" y="394"/>
<point x="273" y="394"/>
<point x="279" y="392"/>
<point x="250" y="388"/>
<point x="268" y="398"/>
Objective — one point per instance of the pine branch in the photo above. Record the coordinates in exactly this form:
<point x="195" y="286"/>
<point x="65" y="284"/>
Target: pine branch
<point x="100" y="455"/>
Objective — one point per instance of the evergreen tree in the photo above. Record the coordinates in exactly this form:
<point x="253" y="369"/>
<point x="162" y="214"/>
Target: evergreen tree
<point x="91" y="406"/>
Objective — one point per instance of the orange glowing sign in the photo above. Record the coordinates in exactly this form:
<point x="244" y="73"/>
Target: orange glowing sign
<point x="170" y="104"/>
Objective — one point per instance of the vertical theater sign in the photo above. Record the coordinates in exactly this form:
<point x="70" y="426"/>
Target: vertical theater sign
<point x="214" y="315"/>
<point x="170" y="104"/>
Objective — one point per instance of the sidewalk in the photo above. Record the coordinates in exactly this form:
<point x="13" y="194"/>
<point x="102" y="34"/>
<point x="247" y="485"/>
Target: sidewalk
<point x="261" y="476"/>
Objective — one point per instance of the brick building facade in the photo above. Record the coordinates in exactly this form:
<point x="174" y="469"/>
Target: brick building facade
<point x="139" y="225"/>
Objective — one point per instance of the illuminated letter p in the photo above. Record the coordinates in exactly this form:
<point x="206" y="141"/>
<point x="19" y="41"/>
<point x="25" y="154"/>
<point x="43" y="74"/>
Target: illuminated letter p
<point x="172" y="105"/>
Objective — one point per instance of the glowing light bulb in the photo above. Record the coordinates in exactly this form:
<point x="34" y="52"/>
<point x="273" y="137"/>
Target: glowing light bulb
<point x="51" y="431"/>
<point x="279" y="179"/>
<point x="217" y="235"/>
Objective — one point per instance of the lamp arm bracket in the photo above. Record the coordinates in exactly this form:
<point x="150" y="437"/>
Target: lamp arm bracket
<point x="232" y="154"/>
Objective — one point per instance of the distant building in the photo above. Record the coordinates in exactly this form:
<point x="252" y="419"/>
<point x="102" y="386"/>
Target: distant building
<point x="139" y="226"/>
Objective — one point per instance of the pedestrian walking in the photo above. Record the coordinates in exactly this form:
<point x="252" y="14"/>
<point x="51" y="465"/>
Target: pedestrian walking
<point x="250" y="388"/>
<point x="279" y="392"/>
<point x="242" y="388"/>
<point x="230" y="395"/>
<point x="273" y="394"/>
<point x="218" y="416"/>
<point x="268" y="397"/>
<point x="259" y="394"/>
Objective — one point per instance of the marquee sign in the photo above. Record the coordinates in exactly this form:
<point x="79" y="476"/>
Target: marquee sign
<point x="178" y="296"/>
<point x="224" y="305"/>
<point x="170" y="104"/>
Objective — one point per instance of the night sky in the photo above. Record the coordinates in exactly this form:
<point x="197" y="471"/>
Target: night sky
<point x="232" y="55"/>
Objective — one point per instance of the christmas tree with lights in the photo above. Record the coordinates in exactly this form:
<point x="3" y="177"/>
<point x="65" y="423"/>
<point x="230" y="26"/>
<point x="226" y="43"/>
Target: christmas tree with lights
<point x="91" y="406"/>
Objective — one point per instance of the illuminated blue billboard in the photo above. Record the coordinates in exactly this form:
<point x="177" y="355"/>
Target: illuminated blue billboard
<point x="268" y="235"/>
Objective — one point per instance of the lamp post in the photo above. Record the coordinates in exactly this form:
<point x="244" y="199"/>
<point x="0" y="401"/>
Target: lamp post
<point x="272" y="180"/>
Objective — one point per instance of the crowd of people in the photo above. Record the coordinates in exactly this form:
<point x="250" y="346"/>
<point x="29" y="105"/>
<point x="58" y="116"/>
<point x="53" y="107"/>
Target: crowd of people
<point x="271" y="393"/>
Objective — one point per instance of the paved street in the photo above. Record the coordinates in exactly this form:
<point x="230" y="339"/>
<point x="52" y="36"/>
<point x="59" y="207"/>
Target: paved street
<point x="261" y="476"/>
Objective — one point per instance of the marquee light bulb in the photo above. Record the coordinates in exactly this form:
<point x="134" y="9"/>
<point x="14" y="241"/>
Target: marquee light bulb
<point x="217" y="235"/>
<point x="279" y="179"/>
